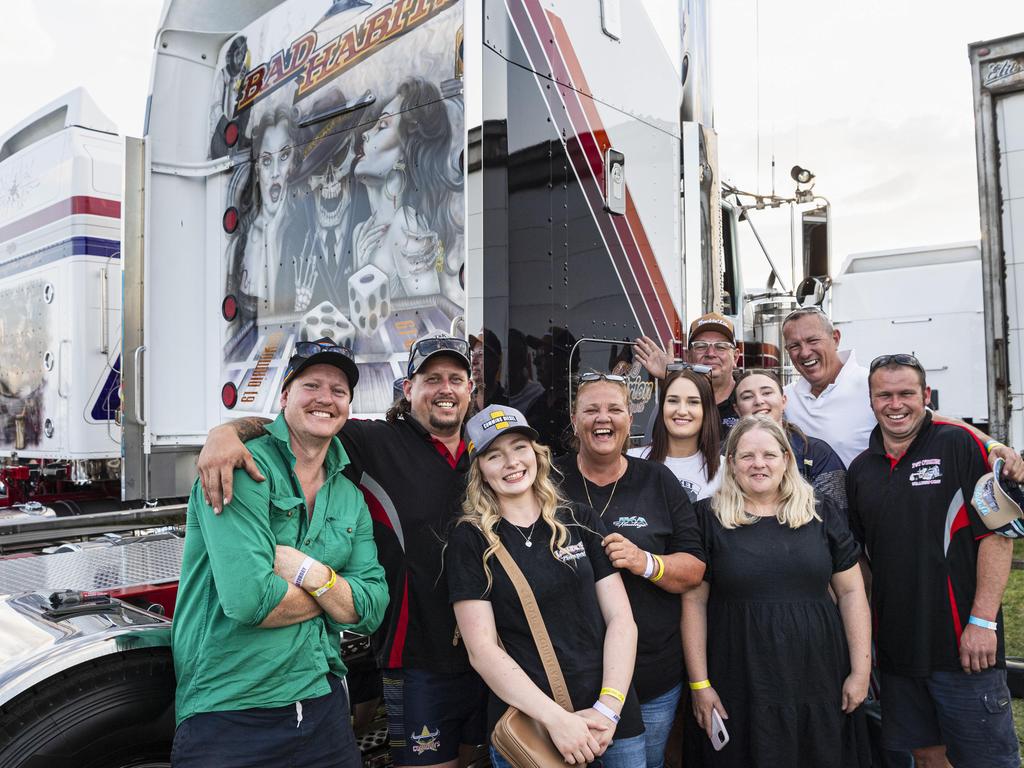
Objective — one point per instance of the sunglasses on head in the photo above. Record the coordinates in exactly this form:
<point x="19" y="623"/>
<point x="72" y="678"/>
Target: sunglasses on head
<point x="424" y="348"/>
<point x="900" y="358"/>
<point x="586" y="378"/>
<point x="310" y="348"/>
<point x="696" y="368"/>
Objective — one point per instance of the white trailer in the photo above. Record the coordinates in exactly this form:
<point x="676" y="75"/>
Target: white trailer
<point x="998" y="77"/>
<point x="926" y="301"/>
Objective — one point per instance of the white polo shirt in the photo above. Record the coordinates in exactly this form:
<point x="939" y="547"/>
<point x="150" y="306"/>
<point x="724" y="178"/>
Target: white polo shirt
<point x="841" y="415"/>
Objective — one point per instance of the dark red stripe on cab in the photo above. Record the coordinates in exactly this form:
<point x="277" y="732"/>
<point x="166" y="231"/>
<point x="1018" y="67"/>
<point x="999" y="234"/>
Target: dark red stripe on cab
<point x="72" y="206"/>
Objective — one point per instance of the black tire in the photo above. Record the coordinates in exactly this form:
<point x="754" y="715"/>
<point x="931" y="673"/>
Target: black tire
<point x="112" y="712"/>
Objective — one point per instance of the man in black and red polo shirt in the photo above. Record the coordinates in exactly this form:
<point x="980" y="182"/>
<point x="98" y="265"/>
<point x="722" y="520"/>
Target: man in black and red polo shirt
<point x="937" y="578"/>
<point x="411" y="468"/>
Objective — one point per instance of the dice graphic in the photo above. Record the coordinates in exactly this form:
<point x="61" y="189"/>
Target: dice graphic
<point x="326" y="320"/>
<point x="369" y="297"/>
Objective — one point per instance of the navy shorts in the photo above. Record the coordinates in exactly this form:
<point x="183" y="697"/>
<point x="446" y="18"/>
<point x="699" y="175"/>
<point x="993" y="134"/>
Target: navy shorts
<point x="970" y="714"/>
<point x="431" y="714"/>
<point x="312" y="733"/>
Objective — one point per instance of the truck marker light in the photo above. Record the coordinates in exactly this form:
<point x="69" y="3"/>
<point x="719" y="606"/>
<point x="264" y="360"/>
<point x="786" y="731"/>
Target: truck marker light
<point x="231" y="133"/>
<point x="230" y="220"/>
<point x="229" y="395"/>
<point x="229" y="307"/>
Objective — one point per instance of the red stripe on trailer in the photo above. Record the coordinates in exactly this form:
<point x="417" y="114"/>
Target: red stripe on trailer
<point x="634" y="234"/>
<point x="565" y="107"/>
<point x="73" y="206"/>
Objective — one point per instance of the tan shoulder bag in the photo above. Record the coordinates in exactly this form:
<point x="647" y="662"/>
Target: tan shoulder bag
<point x="518" y="737"/>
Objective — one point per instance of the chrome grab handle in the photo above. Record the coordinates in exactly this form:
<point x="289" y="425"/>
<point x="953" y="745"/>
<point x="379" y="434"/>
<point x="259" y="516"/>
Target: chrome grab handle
<point x="137" y="375"/>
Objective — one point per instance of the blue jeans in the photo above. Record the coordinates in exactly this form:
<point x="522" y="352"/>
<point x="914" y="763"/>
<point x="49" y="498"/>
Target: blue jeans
<point x="623" y="753"/>
<point x="970" y="714"/>
<point x="658" y="714"/>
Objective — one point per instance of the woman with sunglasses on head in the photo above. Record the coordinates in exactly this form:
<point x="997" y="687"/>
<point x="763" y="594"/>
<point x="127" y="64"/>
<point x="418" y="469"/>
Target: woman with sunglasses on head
<point x="784" y="666"/>
<point x="759" y="393"/>
<point x="512" y="502"/>
<point x="653" y="540"/>
<point x="682" y="439"/>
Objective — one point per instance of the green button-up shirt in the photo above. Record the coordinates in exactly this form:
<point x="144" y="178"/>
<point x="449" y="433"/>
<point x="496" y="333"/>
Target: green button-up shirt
<point x="223" y="659"/>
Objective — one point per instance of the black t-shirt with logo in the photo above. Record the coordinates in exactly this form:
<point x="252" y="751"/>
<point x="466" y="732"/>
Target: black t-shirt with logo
<point x="565" y="592"/>
<point x="913" y="515"/>
<point x="729" y="416"/>
<point x="650" y="508"/>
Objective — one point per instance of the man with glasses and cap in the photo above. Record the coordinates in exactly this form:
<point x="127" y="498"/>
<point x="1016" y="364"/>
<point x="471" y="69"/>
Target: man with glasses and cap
<point x="712" y="345"/>
<point x="266" y="589"/>
<point x="938" y="575"/>
<point x="411" y="467"/>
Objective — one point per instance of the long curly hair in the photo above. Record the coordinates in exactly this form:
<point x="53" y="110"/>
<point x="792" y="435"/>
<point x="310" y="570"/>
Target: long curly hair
<point x="796" y="496"/>
<point x="425" y="132"/>
<point x="482" y="510"/>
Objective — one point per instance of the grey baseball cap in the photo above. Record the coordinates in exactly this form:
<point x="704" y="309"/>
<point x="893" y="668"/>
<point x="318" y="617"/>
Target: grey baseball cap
<point x="490" y="424"/>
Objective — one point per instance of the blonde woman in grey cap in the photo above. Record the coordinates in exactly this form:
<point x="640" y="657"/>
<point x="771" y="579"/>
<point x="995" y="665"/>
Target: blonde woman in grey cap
<point x="511" y="501"/>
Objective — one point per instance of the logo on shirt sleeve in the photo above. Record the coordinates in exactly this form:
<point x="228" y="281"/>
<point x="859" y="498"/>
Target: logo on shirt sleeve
<point x="926" y="472"/>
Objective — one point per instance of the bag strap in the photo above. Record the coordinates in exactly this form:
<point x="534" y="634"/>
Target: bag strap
<point x="537" y="628"/>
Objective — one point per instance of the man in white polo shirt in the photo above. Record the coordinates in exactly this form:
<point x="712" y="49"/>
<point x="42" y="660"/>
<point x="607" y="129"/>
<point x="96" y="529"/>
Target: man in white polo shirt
<point x="831" y="401"/>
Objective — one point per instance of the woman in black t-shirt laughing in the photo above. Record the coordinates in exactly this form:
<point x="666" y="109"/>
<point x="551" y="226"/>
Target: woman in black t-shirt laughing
<point x="510" y="499"/>
<point x="654" y="541"/>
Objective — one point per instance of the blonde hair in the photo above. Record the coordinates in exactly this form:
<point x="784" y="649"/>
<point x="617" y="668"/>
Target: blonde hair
<point x="796" y="496"/>
<point x="574" y="441"/>
<point x="481" y="509"/>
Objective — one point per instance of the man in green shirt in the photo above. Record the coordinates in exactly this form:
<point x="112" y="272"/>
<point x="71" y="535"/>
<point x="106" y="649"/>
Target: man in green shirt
<point x="265" y="591"/>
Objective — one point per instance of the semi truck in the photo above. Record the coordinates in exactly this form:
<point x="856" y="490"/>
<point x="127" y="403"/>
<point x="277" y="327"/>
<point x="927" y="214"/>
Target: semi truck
<point x="541" y="174"/>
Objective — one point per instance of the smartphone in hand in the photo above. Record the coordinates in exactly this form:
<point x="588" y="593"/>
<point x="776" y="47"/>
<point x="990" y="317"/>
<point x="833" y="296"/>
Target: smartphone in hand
<point x="719" y="736"/>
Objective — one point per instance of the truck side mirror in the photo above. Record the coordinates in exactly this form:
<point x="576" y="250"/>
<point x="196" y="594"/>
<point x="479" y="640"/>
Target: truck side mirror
<point x="817" y="240"/>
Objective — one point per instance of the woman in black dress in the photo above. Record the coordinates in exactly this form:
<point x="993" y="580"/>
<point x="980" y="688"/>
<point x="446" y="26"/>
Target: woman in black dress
<point x="765" y="644"/>
<point x="511" y="500"/>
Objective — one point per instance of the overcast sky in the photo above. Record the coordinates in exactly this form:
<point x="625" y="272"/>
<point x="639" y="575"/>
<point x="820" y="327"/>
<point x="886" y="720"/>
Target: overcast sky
<point x="873" y="96"/>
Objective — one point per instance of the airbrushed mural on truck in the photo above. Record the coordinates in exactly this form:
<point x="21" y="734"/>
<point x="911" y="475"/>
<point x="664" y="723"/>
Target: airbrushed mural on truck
<point x="346" y="219"/>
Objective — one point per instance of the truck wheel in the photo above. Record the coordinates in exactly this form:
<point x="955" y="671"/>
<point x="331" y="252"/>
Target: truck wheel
<point x="116" y="711"/>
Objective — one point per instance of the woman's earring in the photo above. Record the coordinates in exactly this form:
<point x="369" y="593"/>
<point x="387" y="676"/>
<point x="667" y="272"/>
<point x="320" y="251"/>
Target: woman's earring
<point x="395" y="178"/>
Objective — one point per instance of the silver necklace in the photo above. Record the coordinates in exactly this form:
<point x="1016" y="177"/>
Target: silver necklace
<point x="526" y="539"/>
<point x="586" y="489"/>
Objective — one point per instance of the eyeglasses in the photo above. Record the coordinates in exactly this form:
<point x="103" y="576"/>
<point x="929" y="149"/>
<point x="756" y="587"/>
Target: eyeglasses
<point x="898" y="359"/>
<point x="424" y="348"/>
<point x="696" y="368"/>
<point x="586" y="378"/>
<point x="704" y="346"/>
<point x="310" y="348"/>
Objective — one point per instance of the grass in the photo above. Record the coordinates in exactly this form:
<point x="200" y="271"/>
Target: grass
<point x="1013" y="628"/>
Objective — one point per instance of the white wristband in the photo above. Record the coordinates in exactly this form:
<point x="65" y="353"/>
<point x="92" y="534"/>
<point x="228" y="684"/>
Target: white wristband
<point x="604" y="709"/>
<point x="983" y="623"/>
<point x="300" y="575"/>
<point x="650" y="566"/>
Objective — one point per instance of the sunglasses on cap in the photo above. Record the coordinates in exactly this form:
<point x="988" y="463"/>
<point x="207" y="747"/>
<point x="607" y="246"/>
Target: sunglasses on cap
<point x="586" y="378"/>
<point x="695" y="367"/>
<point x="310" y="348"/>
<point x="424" y="348"/>
<point x="900" y="358"/>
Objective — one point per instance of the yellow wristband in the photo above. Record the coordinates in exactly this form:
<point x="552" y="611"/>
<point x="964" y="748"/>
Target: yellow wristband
<point x="700" y="684"/>
<point x="661" y="569"/>
<point x="326" y="587"/>
<point x="615" y="694"/>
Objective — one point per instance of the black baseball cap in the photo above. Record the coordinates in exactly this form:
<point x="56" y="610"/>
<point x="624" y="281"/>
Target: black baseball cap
<point x="323" y="351"/>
